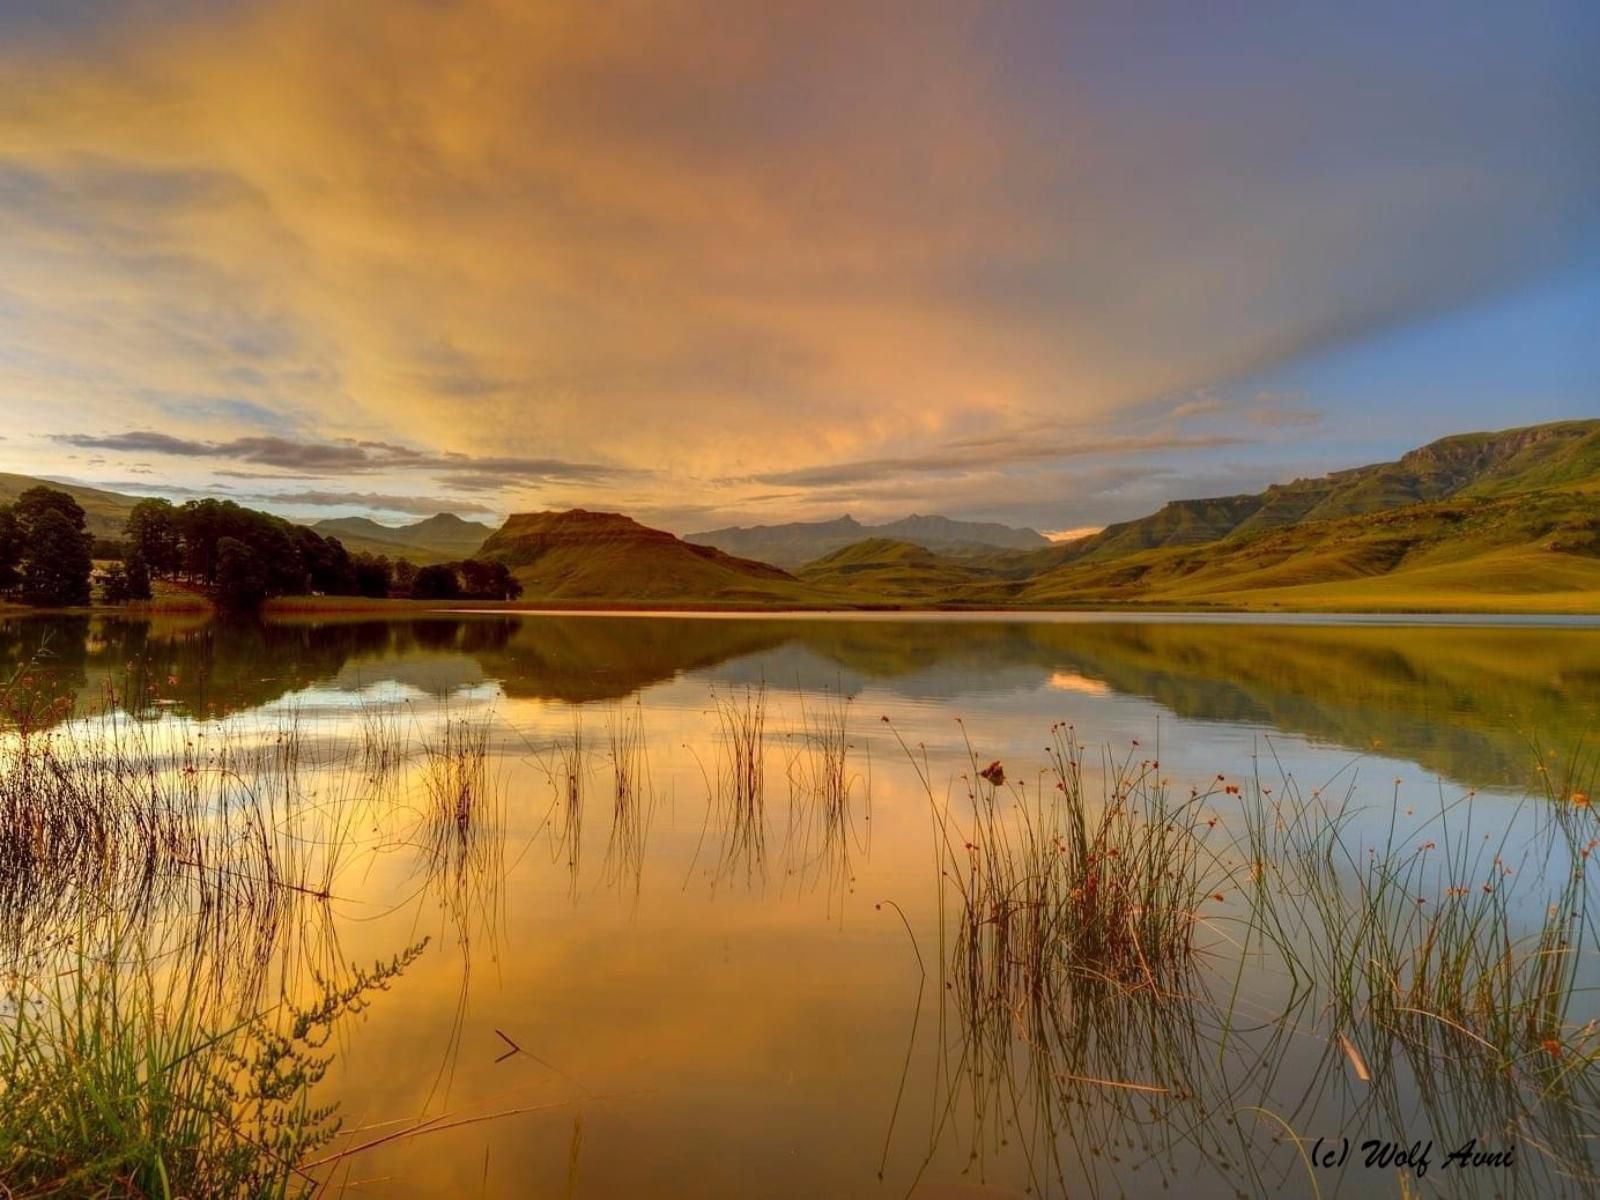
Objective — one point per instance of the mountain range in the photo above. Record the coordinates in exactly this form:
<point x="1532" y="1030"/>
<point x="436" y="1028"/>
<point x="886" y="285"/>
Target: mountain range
<point x="1481" y="522"/>
<point x="805" y="541"/>
<point x="441" y="535"/>
<point x="1477" y="521"/>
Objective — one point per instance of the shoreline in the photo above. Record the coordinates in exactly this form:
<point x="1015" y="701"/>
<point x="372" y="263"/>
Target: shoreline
<point x="291" y="609"/>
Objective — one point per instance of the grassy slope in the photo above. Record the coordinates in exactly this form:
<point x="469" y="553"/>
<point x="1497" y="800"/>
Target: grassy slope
<point x="581" y="555"/>
<point x="107" y="511"/>
<point x="107" y="514"/>
<point x="1517" y="529"/>
<point x="420" y="555"/>
<point x="885" y="567"/>
<point x="437" y="539"/>
<point x="1561" y="454"/>
<point x="799" y="543"/>
<point x="1536" y="552"/>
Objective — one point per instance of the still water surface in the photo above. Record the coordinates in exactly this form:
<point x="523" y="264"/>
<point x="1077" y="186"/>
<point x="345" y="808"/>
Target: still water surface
<point x="665" y="1005"/>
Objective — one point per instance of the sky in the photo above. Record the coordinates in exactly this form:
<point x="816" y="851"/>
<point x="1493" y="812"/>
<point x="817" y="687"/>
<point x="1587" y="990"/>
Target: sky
<point x="709" y="264"/>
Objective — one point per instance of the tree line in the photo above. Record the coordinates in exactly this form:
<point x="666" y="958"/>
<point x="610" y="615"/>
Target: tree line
<point x="237" y="555"/>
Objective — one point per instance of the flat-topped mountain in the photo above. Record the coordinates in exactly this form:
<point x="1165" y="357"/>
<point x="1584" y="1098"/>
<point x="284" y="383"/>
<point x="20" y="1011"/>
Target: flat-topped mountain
<point x="599" y="556"/>
<point x="443" y="534"/>
<point x="805" y="541"/>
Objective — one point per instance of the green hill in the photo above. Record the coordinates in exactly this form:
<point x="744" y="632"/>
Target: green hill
<point x="1536" y="550"/>
<point x="802" y="542"/>
<point x="1483" y="522"/>
<point x="607" y="557"/>
<point x="441" y="536"/>
<point x="887" y="568"/>
<point x="107" y="512"/>
<point x="1562" y="454"/>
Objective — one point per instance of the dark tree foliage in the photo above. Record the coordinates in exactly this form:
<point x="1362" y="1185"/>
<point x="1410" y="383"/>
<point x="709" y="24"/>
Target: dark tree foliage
<point x="287" y="559"/>
<point x="12" y="543"/>
<point x="108" y="549"/>
<point x="55" y="563"/>
<point x="405" y="576"/>
<point x="138" y="577"/>
<point x="241" y="582"/>
<point x="152" y="531"/>
<point x="115" y="588"/>
<point x="437" y="582"/>
<point x="373" y="575"/>
<point x="327" y="563"/>
<point x="265" y="556"/>
<point x="487" y="580"/>
<point x="44" y="550"/>
<point x="35" y="503"/>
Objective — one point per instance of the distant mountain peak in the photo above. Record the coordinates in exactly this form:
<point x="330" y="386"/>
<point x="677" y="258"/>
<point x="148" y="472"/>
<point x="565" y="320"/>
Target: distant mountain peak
<point x="443" y="533"/>
<point x="799" y="542"/>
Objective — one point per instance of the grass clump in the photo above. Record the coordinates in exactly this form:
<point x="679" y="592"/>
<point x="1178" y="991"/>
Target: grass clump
<point x="119" y="1080"/>
<point x="1433" y="936"/>
<point x="823" y="834"/>
<point x="632" y="795"/>
<point x="457" y="785"/>
<point x="1056" y="884"/>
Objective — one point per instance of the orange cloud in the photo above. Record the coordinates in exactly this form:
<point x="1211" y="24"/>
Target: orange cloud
<point x="709" y="244"/>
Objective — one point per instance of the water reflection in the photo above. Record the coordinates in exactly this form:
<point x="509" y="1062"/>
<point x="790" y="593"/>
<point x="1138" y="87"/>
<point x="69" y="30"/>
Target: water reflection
<point x="1469" y="704"/>
<point x="706" y="923"/>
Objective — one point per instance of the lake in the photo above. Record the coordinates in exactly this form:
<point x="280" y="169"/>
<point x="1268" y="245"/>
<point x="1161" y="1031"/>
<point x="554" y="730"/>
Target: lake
<point x="714" y="904"/>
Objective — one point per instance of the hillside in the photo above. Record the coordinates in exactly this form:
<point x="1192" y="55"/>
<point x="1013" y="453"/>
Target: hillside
<point x="1506" y="521"/>
<point x="1565" y="453"/>
<point x="593" y="556"/>
<point x="437" y="539"/>
<point x="443" y="534"/>
<point x="1530" y="551"/>
<point x="1518" y="530"/>
<point x="107" y="512"/>
<point x="806" y="541"/>
<point x="889" y="569"/>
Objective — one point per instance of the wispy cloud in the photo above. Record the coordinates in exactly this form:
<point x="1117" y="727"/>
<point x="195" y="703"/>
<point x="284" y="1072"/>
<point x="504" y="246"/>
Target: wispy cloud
<point x="348" y="456"/>
<point x="422" y="506"/>
<point x="988" y="452"/>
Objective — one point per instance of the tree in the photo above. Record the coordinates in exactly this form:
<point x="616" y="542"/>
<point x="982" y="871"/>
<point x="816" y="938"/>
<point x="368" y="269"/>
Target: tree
<point x="241" y="583"/>
<point x="488" y="580"/>
<point x="373" y="575"/>
<point x="12" y="543"/>
<point x="55" y="563"/>
<point x="437" y="582"/>
<point x="405" y="576"/>
<point x="115" y="588"/>
<point x="35" y="503"/>
<point x="152" y="531"/>
<point x="138" y="576"/>
<point x="327" y="563"/>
